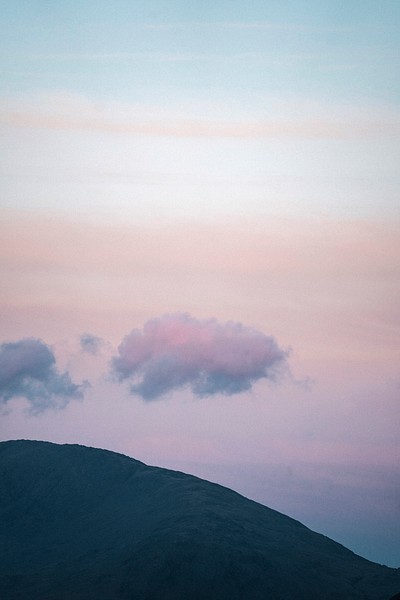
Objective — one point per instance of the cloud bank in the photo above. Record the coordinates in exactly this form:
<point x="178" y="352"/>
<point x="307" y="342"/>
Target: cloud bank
<point x="28" y="369"/>
<point x="178" y="350"/>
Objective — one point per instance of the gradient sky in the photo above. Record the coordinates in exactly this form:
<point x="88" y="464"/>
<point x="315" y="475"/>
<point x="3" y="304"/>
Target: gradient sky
<point x="233" y="161"/>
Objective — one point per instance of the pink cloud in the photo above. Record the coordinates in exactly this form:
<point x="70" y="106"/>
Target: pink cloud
<point x="178" y="350"/>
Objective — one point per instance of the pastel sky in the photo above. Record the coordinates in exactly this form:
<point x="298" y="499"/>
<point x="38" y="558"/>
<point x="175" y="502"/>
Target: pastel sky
<point x="200" y="245"/>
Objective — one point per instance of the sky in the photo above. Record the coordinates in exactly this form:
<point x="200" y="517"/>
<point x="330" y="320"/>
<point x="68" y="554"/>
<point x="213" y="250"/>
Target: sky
<point x="200" y="245"/>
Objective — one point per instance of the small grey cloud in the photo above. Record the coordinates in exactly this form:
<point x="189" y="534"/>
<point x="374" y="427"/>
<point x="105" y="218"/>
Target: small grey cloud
<point x="90" y="343"/>
<point x="28" y="369"/>
<point x="178" y="350"/>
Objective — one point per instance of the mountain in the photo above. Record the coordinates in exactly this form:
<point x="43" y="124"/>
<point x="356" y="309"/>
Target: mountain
<point x="79" y="523"/>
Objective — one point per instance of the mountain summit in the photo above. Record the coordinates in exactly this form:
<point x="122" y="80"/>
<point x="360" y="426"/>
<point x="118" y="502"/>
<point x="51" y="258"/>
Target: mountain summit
<point x="79" y="523"/>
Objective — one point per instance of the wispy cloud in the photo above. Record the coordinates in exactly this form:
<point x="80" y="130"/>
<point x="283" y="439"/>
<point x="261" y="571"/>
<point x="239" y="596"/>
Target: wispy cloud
<point x="90" y="343"/>
<point x="250" y="26"/>
<point x="267" y="58"/>
<point x="130" y="56"/>
<point x="28" y="370"/>
<point x="67" y="112"/>
<point x="212" y="358"/>
<point x="185" y="128"/>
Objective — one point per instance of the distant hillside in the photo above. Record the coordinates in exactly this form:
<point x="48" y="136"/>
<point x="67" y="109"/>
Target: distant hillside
<point x="79" y="523"/>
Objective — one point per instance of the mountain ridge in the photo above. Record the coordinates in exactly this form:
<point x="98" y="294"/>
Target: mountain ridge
<point x="85" y="523"/>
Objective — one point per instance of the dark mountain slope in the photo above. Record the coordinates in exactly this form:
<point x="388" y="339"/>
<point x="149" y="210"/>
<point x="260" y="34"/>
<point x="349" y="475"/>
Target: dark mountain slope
<point x="78" y="523"/>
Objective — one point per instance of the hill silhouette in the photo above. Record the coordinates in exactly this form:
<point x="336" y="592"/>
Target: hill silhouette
<point x="79" y="523"/>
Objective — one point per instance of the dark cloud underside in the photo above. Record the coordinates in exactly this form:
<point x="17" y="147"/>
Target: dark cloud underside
<point x="28" y="369"/>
